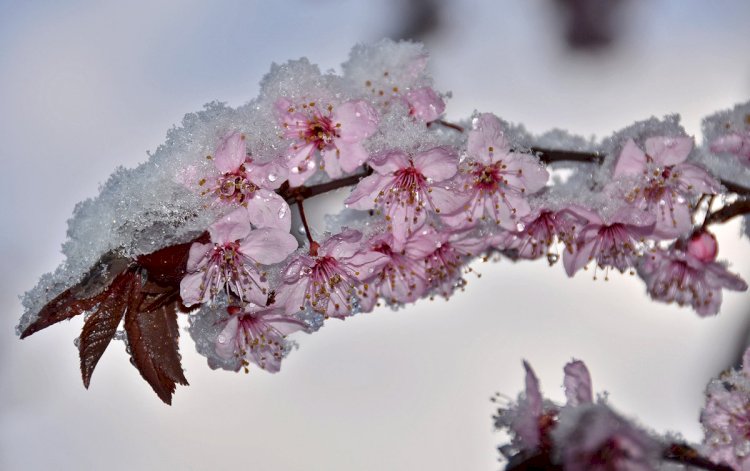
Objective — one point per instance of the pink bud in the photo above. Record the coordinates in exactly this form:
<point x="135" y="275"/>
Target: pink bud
<point x="702" y="245"/>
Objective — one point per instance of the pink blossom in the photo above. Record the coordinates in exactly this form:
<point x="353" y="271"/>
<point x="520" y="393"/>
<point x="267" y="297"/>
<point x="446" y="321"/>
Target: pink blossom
<point x="451" y="250"/>
<point x="424" y="104"/>
<point x="611" y="243"/>
<point x="678" y="275"/>
<point x="405" y="187"/>
<point x="664" y="183"/>
<point x="535" y="235"/>
<point x="256" y="335"/>
<point x="702" y="245"/>
<point x="726" y="417"/>
<point x="243" y="182"/>
<point x="403" y="278"/>
<point x="734" y="143"/>
<point x="231" y="260"/>
<point x="592" y="437"/>
<point x="495" y="179"/>
<point x="336" y="133"/>
<point x="327" y="281"/>
<point x="577" y="383"/>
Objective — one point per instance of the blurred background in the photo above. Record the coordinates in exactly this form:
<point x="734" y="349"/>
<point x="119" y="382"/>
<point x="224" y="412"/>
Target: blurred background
<point x="86" y="86"/>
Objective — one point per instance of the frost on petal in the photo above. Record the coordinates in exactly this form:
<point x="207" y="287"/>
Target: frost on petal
<point x="268" y="246"/>
<point x="577" y="383"/>
<point x="669" y="150"/>
<point x="437" y="164"/>
<point x="425" y="104"/>
<point x="231" y="152"/>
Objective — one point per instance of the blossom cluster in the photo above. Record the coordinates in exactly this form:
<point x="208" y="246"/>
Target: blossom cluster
<point x="587" y="434"/>
<point x="583" y="434"/>
<point x="430" y="197"/>
<point x="425" y="197"/>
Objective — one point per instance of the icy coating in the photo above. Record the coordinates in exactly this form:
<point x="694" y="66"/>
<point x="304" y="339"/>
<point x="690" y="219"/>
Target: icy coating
<point x="425" y="197"/>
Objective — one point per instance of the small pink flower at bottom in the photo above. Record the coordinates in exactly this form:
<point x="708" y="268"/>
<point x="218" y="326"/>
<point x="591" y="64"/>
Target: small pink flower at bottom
<point x="230" y="261"/>
<point x="592" y="437"/>
<point x="677" y="275"/>
<point x="256" y="335"/>
<point x="735" y="143"/>
<point x="328" y="281"/>
<point x="612" y="243"/>
<point x="726" y="417"/>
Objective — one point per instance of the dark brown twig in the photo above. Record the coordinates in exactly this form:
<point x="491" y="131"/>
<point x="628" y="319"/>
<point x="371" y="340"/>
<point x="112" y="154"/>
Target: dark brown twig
<point x="313" y="245"/>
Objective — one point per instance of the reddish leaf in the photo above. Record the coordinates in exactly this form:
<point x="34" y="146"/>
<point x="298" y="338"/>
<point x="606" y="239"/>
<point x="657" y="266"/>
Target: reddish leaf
<point x="167" y="266"/>
<point x="81" y="297"/>
<point x="101" y="326"/>
<point x="153" y="338"/>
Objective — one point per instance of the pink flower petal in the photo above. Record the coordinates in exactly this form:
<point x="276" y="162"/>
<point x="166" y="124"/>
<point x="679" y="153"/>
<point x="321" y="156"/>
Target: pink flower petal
<point x="358" y="120"/>
<point x="191" y="290"/>
<point x="268" y="209"/>
<point x="226" y="341"/>
<point x="632" y="160"/>
<point x="233" y="226"/>
<point x="437" y="164"/>
<point x="268" y="246"/>
<point x="674" y="223"/>
<point x="577" y="384"/>
<point x="231" y="152"/>
<point x="731" y="143"/>
<point x="698" y="180"/>
<point x="389" y="162"/>
<point x="363" y="195"/>
<point x="196" y="254"/>
<point x="669" y="150"/>
<point x="351" y="155"/>
<point x="270" y="175"/>
<point x="367" y="264"/>
<point x="487" y="133"/>
<point x="425" y="104"/>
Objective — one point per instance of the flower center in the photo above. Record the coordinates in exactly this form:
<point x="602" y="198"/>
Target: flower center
<point x="321" y="131"/>
<point x="487" y="178"/>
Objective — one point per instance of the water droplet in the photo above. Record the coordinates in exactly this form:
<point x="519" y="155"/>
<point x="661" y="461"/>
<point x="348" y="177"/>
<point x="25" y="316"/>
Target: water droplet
<point x="272" y="177"/>
<point x="282" y="211"/>
<point x="520" y="226"/>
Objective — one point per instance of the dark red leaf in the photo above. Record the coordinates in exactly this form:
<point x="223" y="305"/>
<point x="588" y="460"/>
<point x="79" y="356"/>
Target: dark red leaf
<point x="102" y="324"/>
<point x="81" y="297"/>
<point x="153" y="337"/>
<point x="167" y="266"/>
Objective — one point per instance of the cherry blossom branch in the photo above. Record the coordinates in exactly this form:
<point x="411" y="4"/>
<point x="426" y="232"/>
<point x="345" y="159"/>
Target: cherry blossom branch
<point x="675" y="452"/>
<point x="687" y="456"/>
<point x="738" y="208"/>
<point x="553" y="155"/>
<point x="297" y="194"/>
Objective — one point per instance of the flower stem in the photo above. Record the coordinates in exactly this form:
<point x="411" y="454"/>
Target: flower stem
<point x="313" y="245"/>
